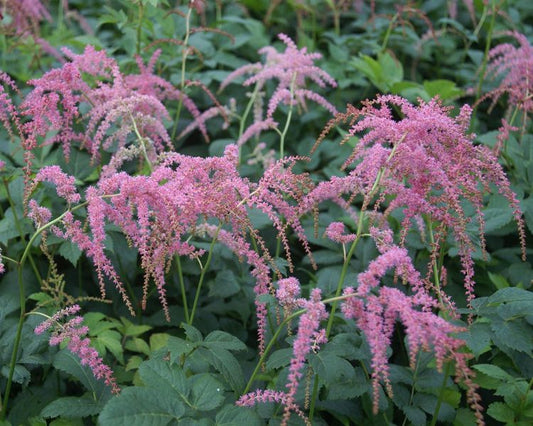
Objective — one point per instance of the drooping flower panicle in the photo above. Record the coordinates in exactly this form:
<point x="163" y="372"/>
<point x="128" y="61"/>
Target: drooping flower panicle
<point x="74" y="333"/>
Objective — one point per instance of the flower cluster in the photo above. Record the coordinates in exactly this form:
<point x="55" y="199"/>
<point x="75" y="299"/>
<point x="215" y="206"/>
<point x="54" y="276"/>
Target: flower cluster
<point x="309" y="337"/>
<point x="183" y="196"/>
<point x="25" y="14"/>
<point x="515" y="66"/>
<point x="74" y="333"/>
<point x="90" y="102"/>
<point x="425" y="164"/>
<point x="377" y="308"/>
<point x="291" y="69"/>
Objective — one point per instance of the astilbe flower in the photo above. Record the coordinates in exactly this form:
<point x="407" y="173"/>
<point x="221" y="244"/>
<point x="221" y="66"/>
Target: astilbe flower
<point x="158" y="212"/>
<point x="291" y="69"/>
<point x="9" y="114"/>
<point x="423" y="163"/>
<point x="65" y="184"/>
<point x="74" y="333"/>
<point x="308" y="338"/>
<point x="515" y="66"/>
<point x="147" y="83"/>
<point x="91" y="81"/>
<point x="377" y="308"/>
<point x="2" y="267"/>
<point x="26" y="15"/>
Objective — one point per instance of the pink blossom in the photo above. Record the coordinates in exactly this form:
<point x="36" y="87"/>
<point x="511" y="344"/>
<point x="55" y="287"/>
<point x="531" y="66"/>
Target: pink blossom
<point x="75" y="334"/>
<point x="308" y="338"/>
<point x="335" y="232"/>
<point x="426" y="164"/>
<point x="26" y="14"/>
<point x="288" y="291"/>
<point x="291" y="69"/>
<point x="2" y="267"/>
<point x="64" y="183"/>
<point x="515" y="66"/>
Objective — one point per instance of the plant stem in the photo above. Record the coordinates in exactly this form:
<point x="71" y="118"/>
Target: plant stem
<point x="184" y="54"/>
<point x="182" y="288"/>
<point x="202" y="275"/>
<point x="287" y="123"/>
<point x="487" y="48"/>
<point x="139" y="28"/>
<point x="269" y="347"/>
<point x="441" y="395"/>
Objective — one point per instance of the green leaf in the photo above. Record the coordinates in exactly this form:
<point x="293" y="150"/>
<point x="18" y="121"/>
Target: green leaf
<point x="138" y="406"/>
<point x="133" y="330"/>
<point x="66" y="422"/>
<point x="224" y="285"/>
<point x="73" y="407"/>
<point x="137" y="345"/>
<point x="415" y="415"/>
<point x="110" y="340"/>
<point x="501" y="412"/>
<point x="192" y="332"/>
<point x="225" y="363"/>
<point x="477" y="338"/>
<point x="342" y="380"/>
<point x="496" y="218"/>
<point x="464" y="417"/>
<point x="444" y="89"/>
<point x="493" y="371"/>
<point x="70" y="251"/>
<point x="166" y="377"/>
<point x="221" y="339"/>
<point x="207" y="393"/>
<point x="516" y="335"/>
<point x="231" y="415"/>
<point x="280" y="358"/>
<point x="158" y="341"/>
<point x="178" y="347"/>
<point x="71" y="364"/>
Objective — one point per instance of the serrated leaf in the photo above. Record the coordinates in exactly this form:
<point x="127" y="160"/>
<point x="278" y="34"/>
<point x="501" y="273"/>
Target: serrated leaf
<point x="73" y="407"/>
<point x="133" y="330"/>
<point x="166" y="377"/>
<point x="139" y="406"/>
<point x="516" y="335"/>
<point x="137" y="345"/>
<point x="70" y="251"/>
<point x="341" y="378"/>
<point x="221" y="339"/>
<point x="192" y="332"/>
<point x="207" y="393"/>
<point x="158" y="341"/>
<point x="510" y="294"/>
<point x="515" y="310"/>
<point x="111" y="340"/>
<point x="280" y="358"/>
<point x="231" y="415"/>
<point x="178" y="347"/>
<point x="71" y="364"/>
<point x="226" y="364"/>
<point x="477" y="338"/>
<point x="496" y="218"/>
<point x="224" y="285"/>
<point x="501" y="412"/>
<point x="444" y="89"/>
<point x="415" y="415"/>
<point x="493" y="371"/>
<point x="66" y="422"/>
